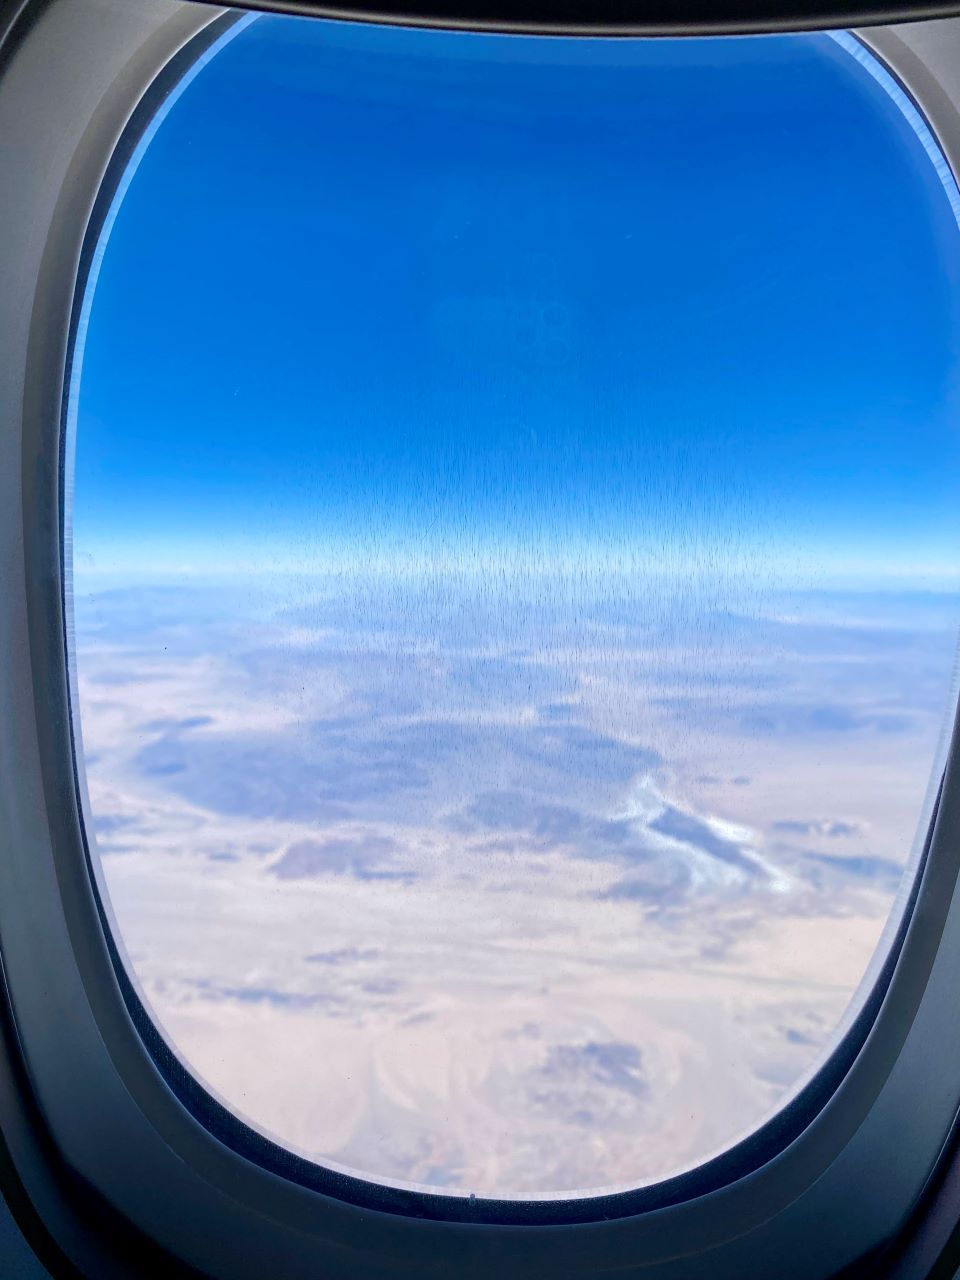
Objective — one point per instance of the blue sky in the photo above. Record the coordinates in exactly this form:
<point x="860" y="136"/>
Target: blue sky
<point x="446" y="296"/>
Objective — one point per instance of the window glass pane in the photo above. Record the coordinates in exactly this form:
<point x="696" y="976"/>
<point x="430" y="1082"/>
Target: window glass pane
<point x="514" y="524"/>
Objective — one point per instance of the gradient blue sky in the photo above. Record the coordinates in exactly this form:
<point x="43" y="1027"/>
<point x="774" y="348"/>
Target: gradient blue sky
<point x="411" y="293"/>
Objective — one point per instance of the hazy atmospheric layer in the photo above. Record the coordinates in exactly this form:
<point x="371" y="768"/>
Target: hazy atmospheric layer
<point x="496" y="886"/>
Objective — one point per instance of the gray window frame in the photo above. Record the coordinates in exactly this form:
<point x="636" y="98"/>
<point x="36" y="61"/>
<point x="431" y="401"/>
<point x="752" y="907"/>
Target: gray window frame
<point x="92" y="1112"/>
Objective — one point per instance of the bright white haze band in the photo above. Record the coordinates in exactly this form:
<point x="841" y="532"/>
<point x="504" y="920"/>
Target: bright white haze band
<point x="513" y="580"/>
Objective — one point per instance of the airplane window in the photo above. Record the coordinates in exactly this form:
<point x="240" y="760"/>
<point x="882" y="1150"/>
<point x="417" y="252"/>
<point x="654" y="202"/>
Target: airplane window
<point x="514" y="583"/>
